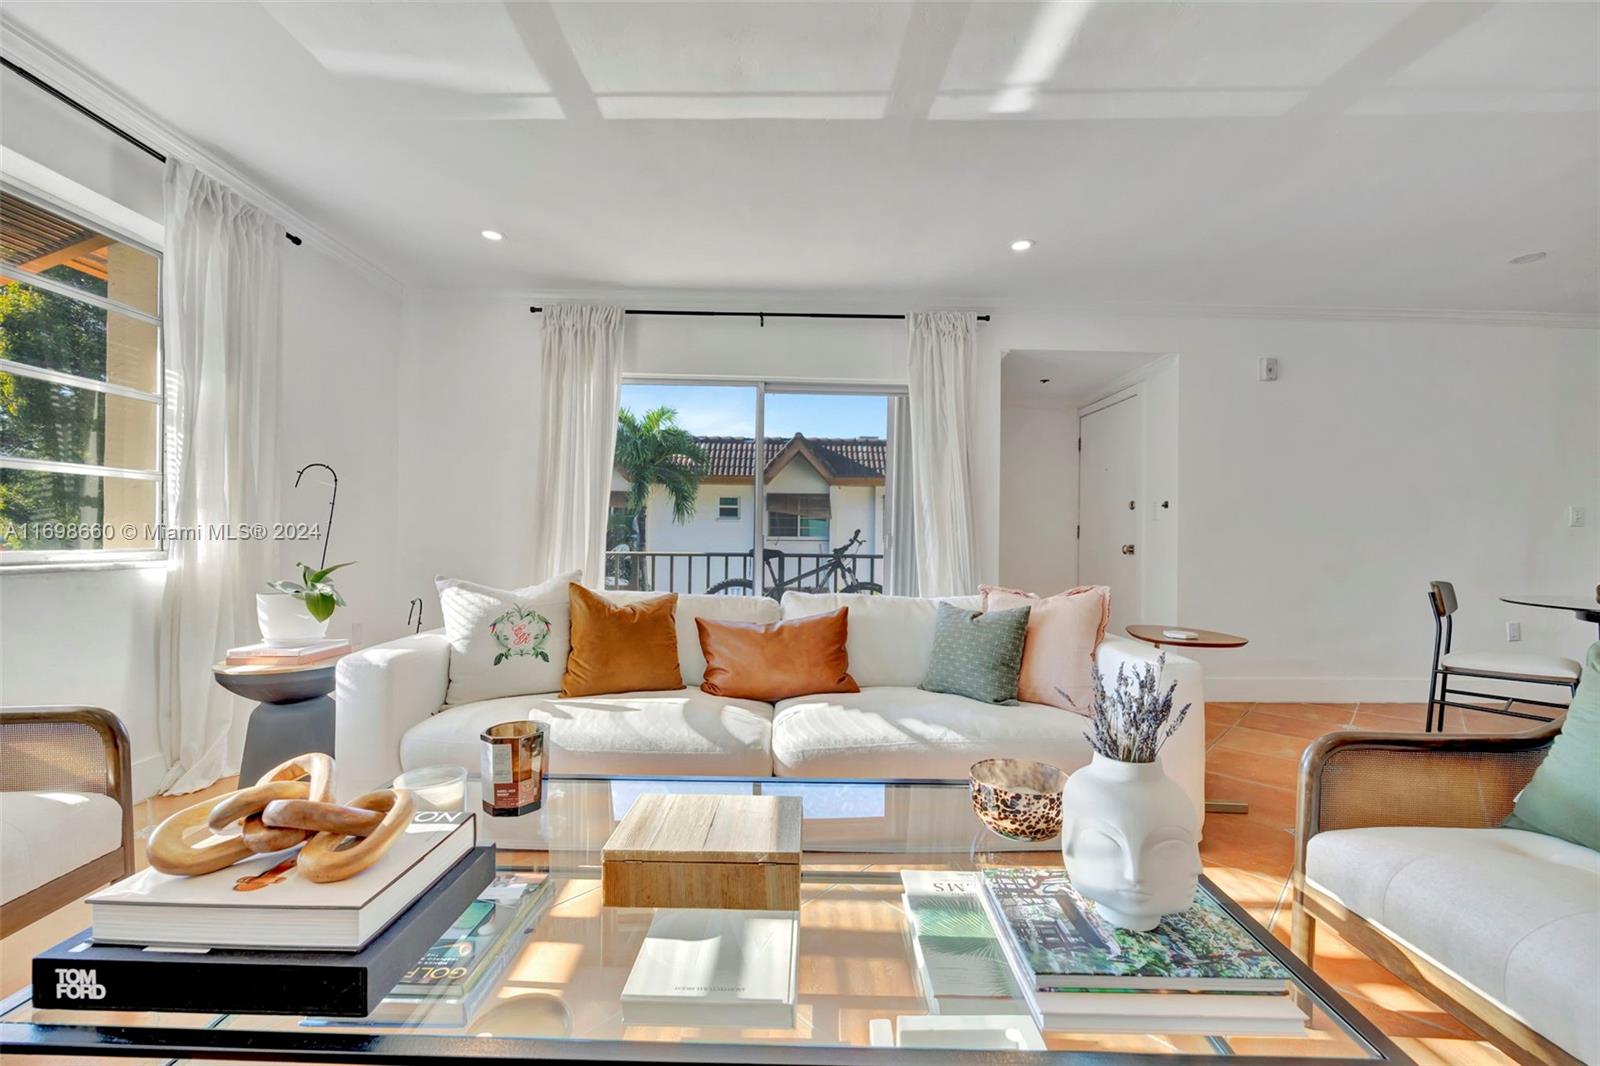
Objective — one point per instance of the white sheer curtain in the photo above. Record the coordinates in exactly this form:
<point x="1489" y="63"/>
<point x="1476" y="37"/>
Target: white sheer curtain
<point x="221" y="304"/>
<point x="940" y="359"/>
<point x="900" y="521"/>
<point x="582" y="375"/>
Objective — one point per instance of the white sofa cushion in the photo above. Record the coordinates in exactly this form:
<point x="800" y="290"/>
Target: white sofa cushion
<point x="904" y="732"/>
<point x="891" y="637"/>
<point x="46" y="834"/>
<point x="683" y="731"/>
<point x="1514" y="914"/>
<point x="691" y="658"/>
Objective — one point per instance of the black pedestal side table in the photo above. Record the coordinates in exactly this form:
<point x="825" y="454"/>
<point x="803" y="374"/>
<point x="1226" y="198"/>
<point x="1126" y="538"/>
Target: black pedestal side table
<point x="293" y="715"/>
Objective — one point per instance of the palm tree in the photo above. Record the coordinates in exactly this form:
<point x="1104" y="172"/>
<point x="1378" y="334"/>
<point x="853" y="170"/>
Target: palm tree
<point x="653" y="449"/>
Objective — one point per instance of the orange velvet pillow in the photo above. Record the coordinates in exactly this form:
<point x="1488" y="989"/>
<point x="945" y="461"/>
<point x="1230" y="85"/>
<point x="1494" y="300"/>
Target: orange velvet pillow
<point x="1063" y="632"/>
<point x="615" y="648"/>
<point x="775" y="660"/>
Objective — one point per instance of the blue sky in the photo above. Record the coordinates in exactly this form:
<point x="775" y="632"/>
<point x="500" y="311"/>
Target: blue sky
<point x="730" y="411"/>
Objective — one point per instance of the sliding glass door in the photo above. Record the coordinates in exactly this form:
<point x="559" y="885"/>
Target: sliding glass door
<point x="752" y="489"/>
<point x="825" y="514"/>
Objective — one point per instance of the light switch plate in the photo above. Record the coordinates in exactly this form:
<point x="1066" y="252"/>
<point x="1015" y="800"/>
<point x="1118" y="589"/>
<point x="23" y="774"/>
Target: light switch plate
<point x="1575" y="517"/>
<point x="1513" y="631"/>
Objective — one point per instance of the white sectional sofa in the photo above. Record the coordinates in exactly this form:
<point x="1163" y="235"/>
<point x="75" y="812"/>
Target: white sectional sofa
<point x="392" y="714"/>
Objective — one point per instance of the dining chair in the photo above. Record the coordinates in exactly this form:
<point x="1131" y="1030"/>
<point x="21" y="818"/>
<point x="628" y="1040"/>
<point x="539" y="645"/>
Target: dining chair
<point x="1515" y="666"/>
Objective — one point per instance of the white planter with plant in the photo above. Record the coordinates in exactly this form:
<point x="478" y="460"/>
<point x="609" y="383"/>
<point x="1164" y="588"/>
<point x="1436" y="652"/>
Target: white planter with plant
<point x="297" y="612"/>
<point x="1130" y="834"/>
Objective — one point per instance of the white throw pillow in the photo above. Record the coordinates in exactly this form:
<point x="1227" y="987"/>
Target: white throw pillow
<point x="891" y="637"/>
<point x="505" y="642"/>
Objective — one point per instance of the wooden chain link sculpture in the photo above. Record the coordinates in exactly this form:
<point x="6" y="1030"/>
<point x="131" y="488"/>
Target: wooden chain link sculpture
<point x="290" y="804"/>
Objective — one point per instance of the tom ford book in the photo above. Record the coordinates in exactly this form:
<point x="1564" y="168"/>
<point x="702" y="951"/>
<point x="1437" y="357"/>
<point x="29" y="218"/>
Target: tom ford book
<point x="78" y="974"/>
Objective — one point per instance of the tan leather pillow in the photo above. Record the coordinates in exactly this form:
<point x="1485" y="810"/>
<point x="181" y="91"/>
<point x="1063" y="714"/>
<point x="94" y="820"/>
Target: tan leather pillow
<point x="1063" y="633"/>
<point x="775" y="660"/>
<point x="632" y="648"/>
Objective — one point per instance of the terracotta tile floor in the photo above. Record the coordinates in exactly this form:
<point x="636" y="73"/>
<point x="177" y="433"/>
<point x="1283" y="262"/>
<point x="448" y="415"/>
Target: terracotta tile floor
<point x="1252" y="754"/>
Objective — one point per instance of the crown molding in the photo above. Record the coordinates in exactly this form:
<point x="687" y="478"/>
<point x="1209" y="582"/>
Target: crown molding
<point x="42" y="59"/>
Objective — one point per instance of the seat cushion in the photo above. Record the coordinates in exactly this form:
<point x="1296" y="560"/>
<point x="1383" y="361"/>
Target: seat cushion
<point x="681" y="731"/>
<point x="905" y="732"/>
<point x="1512" y="664"/>
<point x="44" y="835"/>
<point x="1512" y="913"/>
<point x="891" y="637"/>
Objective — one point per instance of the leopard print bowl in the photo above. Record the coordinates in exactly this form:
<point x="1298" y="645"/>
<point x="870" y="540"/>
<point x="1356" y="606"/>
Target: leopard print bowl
<point x="1018" y="798"/>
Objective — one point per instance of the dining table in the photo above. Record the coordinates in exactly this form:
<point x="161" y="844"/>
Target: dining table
<point x="1585" y="608"/>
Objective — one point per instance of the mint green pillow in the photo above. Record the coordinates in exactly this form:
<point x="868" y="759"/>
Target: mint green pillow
<point x="977" y="654"/>
<point x="1563" y="799"/>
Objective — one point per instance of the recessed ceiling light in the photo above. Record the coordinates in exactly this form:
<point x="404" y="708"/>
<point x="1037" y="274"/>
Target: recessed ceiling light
<point x="493" y="235"/>
<point x="1531" y="257"/>
<point x="1022" y="245"/>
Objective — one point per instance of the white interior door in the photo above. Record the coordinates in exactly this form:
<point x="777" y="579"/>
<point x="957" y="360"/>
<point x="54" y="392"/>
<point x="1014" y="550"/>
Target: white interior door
<point x="1108" y="488"/>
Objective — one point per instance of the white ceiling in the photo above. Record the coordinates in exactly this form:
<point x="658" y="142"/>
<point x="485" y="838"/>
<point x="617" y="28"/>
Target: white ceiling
<point x="1041" y="377"/>
<point x="1375" y="155"/>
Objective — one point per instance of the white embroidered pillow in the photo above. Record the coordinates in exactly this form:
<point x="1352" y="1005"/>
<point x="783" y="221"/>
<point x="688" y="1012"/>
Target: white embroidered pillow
<point x="505" y="642"/>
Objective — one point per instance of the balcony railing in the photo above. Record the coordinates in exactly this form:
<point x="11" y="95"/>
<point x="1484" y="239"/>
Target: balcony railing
<point x="733" y="573"/>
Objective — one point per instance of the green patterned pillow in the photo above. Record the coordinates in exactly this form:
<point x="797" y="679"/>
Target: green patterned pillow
<point x="976" y="654"/>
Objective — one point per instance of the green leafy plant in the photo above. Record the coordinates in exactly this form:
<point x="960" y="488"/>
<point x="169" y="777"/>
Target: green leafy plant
<point x="314" y="589"/>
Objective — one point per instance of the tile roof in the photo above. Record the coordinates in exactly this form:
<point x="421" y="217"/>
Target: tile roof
<point x="837" y="458"/>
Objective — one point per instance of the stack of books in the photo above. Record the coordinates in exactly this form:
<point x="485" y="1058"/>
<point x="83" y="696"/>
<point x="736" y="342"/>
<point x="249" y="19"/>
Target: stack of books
<point x="258" y="938"/>
<point x="308" y="654"/>
<point x="715" y="968"/>
<point x="1197" y="972"/>
<point x="453" y="980"/>
<point x="960" y="964"/>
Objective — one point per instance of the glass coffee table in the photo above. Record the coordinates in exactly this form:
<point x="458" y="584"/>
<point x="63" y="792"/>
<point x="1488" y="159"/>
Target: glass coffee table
<point x="559" y="996"/>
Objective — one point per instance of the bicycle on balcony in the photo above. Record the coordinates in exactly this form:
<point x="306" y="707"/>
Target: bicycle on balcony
<point x="836" y="574"/>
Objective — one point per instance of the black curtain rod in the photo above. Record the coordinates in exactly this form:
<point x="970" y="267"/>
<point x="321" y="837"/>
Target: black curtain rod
<point x="759" y="314"/>
<point x="98" y="119"/>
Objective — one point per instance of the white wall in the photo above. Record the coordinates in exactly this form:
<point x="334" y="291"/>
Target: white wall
<point x="1038" y="498"/>
<point x="1315" y="509"/>
<point x="89" y="636"/>
<point x="470" y="404"/>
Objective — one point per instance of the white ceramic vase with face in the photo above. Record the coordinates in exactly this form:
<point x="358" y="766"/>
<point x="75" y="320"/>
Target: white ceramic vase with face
<point x="1130" y="838"/>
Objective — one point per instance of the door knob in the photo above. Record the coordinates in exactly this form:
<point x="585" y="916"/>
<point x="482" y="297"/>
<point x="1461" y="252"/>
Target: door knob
<point x="1127" y="549"/>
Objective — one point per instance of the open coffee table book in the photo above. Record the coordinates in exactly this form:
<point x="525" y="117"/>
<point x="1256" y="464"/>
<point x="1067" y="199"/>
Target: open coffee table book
<point x="919" y="931"/>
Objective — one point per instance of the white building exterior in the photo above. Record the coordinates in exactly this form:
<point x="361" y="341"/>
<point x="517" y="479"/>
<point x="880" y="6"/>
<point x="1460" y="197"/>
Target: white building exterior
<point x="819" y="493"/>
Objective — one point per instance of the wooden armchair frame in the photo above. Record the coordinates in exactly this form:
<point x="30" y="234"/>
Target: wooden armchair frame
<point x="1355" y="780"/>
<point x="94" y="751"/>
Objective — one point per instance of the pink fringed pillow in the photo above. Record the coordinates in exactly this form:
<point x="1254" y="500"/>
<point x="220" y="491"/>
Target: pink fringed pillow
<point x="1063" y="633"/>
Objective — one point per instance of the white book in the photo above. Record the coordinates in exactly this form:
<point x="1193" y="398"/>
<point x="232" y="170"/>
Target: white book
<point x="973" y="1032"/>
<point x="715" y="968"/>
<point x="264" y="902"/>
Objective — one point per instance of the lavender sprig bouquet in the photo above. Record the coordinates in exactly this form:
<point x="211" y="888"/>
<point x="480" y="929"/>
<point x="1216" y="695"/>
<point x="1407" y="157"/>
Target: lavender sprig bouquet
<point x="1126" y="721"/>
